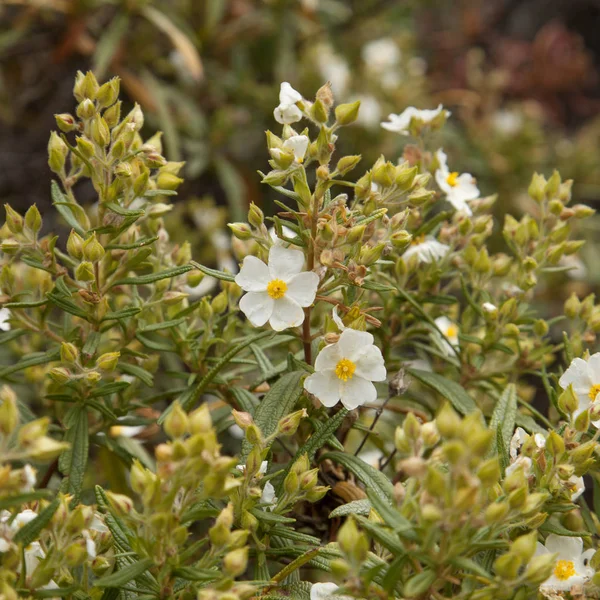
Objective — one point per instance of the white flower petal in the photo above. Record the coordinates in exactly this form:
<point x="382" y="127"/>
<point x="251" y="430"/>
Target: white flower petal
<point x="357" y="391"/>
<point x="328" y="358"/>
<point x="323" y="591"/>
<point x="594" y="366"/>
<point x="576" y="373"/>
<point x="286" y="313"/>
<point x="298" y="145"/>
<point x="352" y="343"/>
<point x="286" y="114"/>
<point x="578" y="487"/>
<point x="4" y="319"/>
<point x="288" y="95"/>
<point x="566" y="547"/>
<point x="254" y="275"/>
<point x="258" y="307"/>
<point x="337" y="319"/>
<point x="325" y="386"/>
<point x="268" y="494"/>
<point x="284" y="263"/>
<point x="302" y="288"/>
<point x="371" y="365"/>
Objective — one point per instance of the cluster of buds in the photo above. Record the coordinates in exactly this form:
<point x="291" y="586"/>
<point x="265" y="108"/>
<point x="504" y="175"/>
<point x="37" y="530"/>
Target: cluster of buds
<point x="18" y="232"/>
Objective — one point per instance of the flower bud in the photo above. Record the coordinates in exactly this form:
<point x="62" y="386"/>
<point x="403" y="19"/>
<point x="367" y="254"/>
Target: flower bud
<point x="289" y="424"/>
<point x="496" y="512"/>
<point x="448" y="422"/>
<point x="317" y="493"/>
<point x="85" y="147"/>
<point x="524" y="546"/>
<point x="92" y="249"/>
<point x="9" y="413"/>
<point x="537" y="187"/>
<point x="85" y="272"/>
<point x="33" y="219"/>
<point x="555" y="444"/>
<point x="10" y="246"/>
<point x="568" y="401"/>
<point x="507" y="565"/>
<point x="582" y="211"/>
<point x="14" y="220"/>
<point x="235" y="562"/>
<point x="46" y="448"/>
<point x="85" y="109"/>
<point x="539" y="568"/>
<point x="68" y="352"/>
<point x="345" y="114"/>
<point x="240" y="230"/>
<point x="108" y="361"/>
<point x="59" y="375"/>
<point x="65" y="122"/>
<point x="108" y="93"/>
<point x="112" y="116"/>
<point x="121" y="503"/>
<point x="57" y="153"/>
<point x="141" y="183"/>
<point x="256" y="217"/>
<point x="582" y="422"/>
<point x="168" y="181"/>
<point x="176" y="423"/>
<point x="318" y="111"/>
<point x="100" y="131"/>
<point x="401" y="239"/>
<point x="347" y="163"/>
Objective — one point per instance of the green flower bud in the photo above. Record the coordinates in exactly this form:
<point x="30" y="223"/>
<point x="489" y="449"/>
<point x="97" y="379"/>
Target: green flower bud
<point x="496" y="512"/>
<point x="68" y="352"/>
<point x="85" y="271"/>
<point x="537" y="187"/>
<point x="65" y="122"/>
<point x="582" y="422"/>
<point x="240" y="230"/>
<point x="141" y="183"/>
<point x="276" y="178"/>
<point x="412" y="427"/>
<point x="524" y="546"/>
<point x="345" y="114"/>
<point x="317" y="493"/>
<point x="46" y="448"/>
<point x="108" y="361"/>
<point x="57" y="153"/>
<point x="289" y="424"/>
<point x="219" y="303"/>
<point x="552" y="185"/>
<point x="369" y="255"/>
<point x="236" y="562"/>
<point x="568" y="401"/>
<point x="121" y="503"/>
<point x="383" y="174"/>
<point x="9" y="413"/>
<point x="200" y="420"/>
<point x="489" y="472"/>
<point x="582" y="211"/>
<point x="555" y="444"/>
<point x="14" y="220"/>
<point x="168" y="181"/>
<point x="347" y="163"/>
<point x="539" y="568"/>
<point x="85" y="109"/>
<point x="100" y="131"/>
<point x="448" y="422"/>
<point x="75" y="245"/>
<point x="85" y="147"/>
<point x="401" y="239"/>
<point x="508" y="565"/>
<point x="421" y="196"/>
<point x="33" y="219"/>
<point x="256" y="217"/>
<point x="92" y="249"/>
<point x="112" y="115"/>
<point x="291" y="483"/>
<point x="176" y="423"/>
<point x="59" y="374"/>
<point x="108" y="93"/>
<point x="318" y="111"/>
<point x="75" y="553"/>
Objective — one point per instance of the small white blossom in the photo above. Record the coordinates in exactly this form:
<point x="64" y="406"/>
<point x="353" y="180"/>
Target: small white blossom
<point x="4" y="319"/>
<point x="128" y="431"/>
<point x="326" y="591"/>
<point x="29" y="478"/>
<point x="459" y="188"/>
<point x="571" y="566"/>
<point x="584" y="376"/>
<point x="450" y="334"/>
<point x="345" y="371"/>
<point x="507" y="122"/>
<point x="400" y="123"/>
<point x="576" y="486"/>
<point x="427" y="249"/>
<point x="298" y="145"/>
<point x="277" y="292"/>
<point x="264" y="465"/>
<point x="520" y="437"/>
<point x="287" y="112"/>
<point x="268" y="496"/>
<point x="381" y="54"/>
<point x="489" y="308"/>
<point x="522" y="462"/>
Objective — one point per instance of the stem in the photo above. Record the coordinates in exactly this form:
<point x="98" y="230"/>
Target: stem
<point x="314" y="215"/>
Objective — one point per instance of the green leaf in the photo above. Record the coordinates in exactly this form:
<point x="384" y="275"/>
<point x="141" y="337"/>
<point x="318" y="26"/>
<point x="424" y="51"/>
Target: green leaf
<point x="73" y="462"/>
<point x="386" y="537"/>
<point x="152" y="277"/>
<point x="109" y="43"/>
<point x="19" y="499"/>
<point x="138" y="244"/>
<point x="65" y="208"/>
<point x="552" y="526"/>
<point x="196" y="574"/>
<point x="67" y="305"/>
<point x="278" y="402"/>
<point x="467" y="564"/>
<point x="246" y="400"/>
<point x="31" y="360"/>
<point x="138" y="372"/>
<point x="163" y="325"/>
<point x="372" y="479"/>
<point x="191" y="398"/>
<point x="31" y="531"/>
<point x="213" y="272"/>
<point x="529" y="424"/>
<point x="368" y="284"/>
<point x="124" y="575"/>
<point x="357" y="507"/>
<point x="450" y="390"/>
<point x="503" y="418"/>
<point x="264" y="364"/>
<point x="34" y="304"/>
<point x="270" y="518"/>
<point x="418" y="584"/>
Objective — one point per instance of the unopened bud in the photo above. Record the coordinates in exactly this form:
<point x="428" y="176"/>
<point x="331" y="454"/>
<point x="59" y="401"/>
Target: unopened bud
<point x="57" y="153"/>
<point x="108" y="361"/>
<point x="240" y="230"/>
<point x="235" y="562"/>
<point x="65" y="122"/>
<point x="92" y="249"/>
<point x="289" y="424"/>
<point x="108" y="93"/>
<point x="176" y="424"/>
<point x="33" y="219"/>
<point x="68" y="352"/>
<point x="345" y="114"/>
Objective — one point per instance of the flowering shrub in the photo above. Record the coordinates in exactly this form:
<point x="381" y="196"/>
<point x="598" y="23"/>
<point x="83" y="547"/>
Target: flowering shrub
<point x="127" y="391"/>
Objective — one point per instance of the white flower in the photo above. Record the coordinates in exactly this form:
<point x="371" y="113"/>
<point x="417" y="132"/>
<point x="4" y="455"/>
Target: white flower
<point x="4" y="319"/>
<point x="489" y="308"/>
<point x="459" y="188"/>
<point x="369" y="115"/>
<point x="264" y="465"/>
<point x="576" y="486"/>
<point x="22" y="519"/>
<point x="400" y="123"/>
<point x="381" y="55"/>
<point x="277" y="292"/>
<point x="90" y="545"/>
<point x="29" y="478"/>
<point x="298" y="145"/>
<point x="345" y="371"/>
<point x="127" y="431"/>
<point x="450" y="332"/>
<point x="268" y="496"/>
<point x="520" y="437"/>
<point x="522" y="462"/>
<point x="427" y="249"/>
<point x="572" y="564"/>
<point x="4" y="545"/>
<point x="287" y="112"/>
<point x="584" y="376"/>
<point x="326" y="591"/>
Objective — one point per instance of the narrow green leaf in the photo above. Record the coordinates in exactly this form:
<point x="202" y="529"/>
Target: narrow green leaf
<point x="31" y="360"/>
<point x="64" y="207"/>
<point x="138" y="372"/>
<point x="124" y="575"/>
<point x="163" y="325"/>
<point x="372" y="479"/>
<point x="467" y="564"/>
<point x="32" y="530"/>
<point x="19" y="499"/>
<point x="73" y="461"/>
<point x="138" y="244"/>
<point x="146" y="279"/>
<point x="196" y="574"/>
<point x="503" y="417"/>
<point x="270" y="518"/>
<point x="553" y="526"/>
<point x="264" y="364"/>
<point x="386" y="537"/>
<point x="450" y="390"/>
<point x="121" y="314"/>
<point x="213" y="272"/>
<point x="109" y="43"/>
<point x="357" y="507"/>
<point x="124" y="212"/>
<point x="278" y="402"/>
<point x="246" y="400"/>
<point x="17" y="305"/>
<point x="419" y="584"/>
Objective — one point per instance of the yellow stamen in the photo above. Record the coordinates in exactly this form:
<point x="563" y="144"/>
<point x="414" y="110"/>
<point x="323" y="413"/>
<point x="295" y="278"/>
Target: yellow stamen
<point x="115" y="430"/>
<point x="594" y="391"/>
<point x="344" y="370"/>
<point x="564" y="569"/>
<point x="276" y="288"/>
<point x="452" y="331"/>
<point x="419" y="239"/>
<point x="452" y="178"/>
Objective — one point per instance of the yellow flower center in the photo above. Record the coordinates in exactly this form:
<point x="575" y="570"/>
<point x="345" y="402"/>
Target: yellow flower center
<point x="452" y="331"/>
<point x="564" y="570"/>
<point x="276" y="288"/>
<point x="452" y="178"/>
<point x="594" y="391"/>
<point x="417" y="240"/>
<point x="344" y="370"/>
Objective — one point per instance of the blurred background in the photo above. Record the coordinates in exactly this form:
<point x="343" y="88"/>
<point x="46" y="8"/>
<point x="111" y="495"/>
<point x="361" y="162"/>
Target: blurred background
<point x="521" y="78"/>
